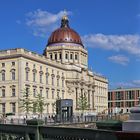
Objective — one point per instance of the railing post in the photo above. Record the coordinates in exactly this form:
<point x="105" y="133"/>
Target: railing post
<point x="36" y="123"/>
<point x="27" y="137"/>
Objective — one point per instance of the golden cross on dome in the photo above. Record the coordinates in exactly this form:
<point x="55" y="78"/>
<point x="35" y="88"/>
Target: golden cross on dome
<point x="65" y="17"/>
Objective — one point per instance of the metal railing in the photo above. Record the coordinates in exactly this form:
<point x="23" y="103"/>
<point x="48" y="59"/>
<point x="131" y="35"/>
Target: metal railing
<point x="40" y="132"/>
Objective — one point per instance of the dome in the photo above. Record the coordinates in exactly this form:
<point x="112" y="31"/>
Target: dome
<point x="64" y="34"/>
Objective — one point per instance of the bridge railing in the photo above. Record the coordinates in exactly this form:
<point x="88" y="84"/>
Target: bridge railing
<point x="40" y="132"/>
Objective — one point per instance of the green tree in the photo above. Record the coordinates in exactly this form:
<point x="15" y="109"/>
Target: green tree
<point x="40" y="104"/>
<point x="83" y="103"/>
<point x="26" y="102"/>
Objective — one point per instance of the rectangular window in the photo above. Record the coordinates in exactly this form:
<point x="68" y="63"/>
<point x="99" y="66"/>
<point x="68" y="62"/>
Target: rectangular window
<point x="27" y="75"/>
<point x="46" y="78"/>
<point x="3" y="64"/>
<point x="13" y="92"/>
<point x="66" y="56"/>
<point x="3" y="108"/>
<point x="60" y="56"/>
<point x="76" y="57"/>
<point x="13" y="107"/>
<point x="58" y="96"/>
<point x="57" y="81"/>
<point x="3" y="93"/>
<point x="27" y="92"/>
<point x="71" y="56"/>
<point x="47" y="93"/>
<point x="26" y="64"/>
<point x="52" y="94"/>
<point x="55" y="56"/>
<point x="13" y="63"/>
<point x="3" y="76"/>
<point x="13" y="75"/>
<point x="40" y="78"/>
<point x="52" y="80"/>
<point x="51" y="57"/>
<point x="34" y="75"/>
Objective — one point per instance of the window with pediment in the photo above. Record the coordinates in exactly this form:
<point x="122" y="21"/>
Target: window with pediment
<point x="34" y="74"/>
<point x="41" y="75"/>
<point x="47" y="76"/>
<point x="13" y="74"/>
<point x="27" y="70"/>
<point x="3" y="93"/>
<point x="13" y="92"/>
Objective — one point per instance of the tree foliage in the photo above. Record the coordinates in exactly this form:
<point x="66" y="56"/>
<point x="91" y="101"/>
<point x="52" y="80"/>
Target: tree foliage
<point x="39" y="104"/>
<point x="83" y="103"/>
<point x="26" y="102"/>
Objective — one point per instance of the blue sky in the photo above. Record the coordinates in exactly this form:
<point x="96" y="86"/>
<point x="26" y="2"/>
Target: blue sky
<point x="110" y="30"/>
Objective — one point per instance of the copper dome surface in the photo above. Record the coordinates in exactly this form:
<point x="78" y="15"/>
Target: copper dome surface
<point x="64" y="34"/>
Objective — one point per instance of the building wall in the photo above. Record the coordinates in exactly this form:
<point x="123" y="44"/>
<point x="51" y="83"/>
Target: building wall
<point x="121" y="100"/>
<point x="101" y="94"/>
<point x="70" y="81"/>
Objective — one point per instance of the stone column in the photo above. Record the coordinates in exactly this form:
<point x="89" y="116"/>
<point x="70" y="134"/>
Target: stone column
<point x="89" y="98"/>
<point x="63" y="56"/>
<point x="93" y="106"/>
<point x="76" y="90"/>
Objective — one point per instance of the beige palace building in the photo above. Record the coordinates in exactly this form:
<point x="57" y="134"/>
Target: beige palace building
<point x="62" y="71"/>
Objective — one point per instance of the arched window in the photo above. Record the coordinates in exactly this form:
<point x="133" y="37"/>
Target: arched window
<point x="66" y="56"/>
<point x="3" y="76"/>
<point x="76" y="56"/>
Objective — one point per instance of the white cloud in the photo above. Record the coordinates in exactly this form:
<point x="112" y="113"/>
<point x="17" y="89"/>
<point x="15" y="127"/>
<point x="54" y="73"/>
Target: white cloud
<point x="120" y="59"/>
<point x="43" y="22"/>
<point x="128" y="43"/>
<point x="136" y="82"/>
<point x="18" y="21"/>
<point x="130" y="84"/>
